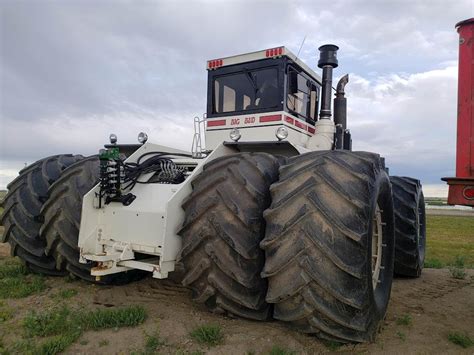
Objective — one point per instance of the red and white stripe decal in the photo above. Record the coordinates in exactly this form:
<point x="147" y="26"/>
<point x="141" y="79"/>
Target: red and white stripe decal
<point x="301" y="125"/>
<point x="237" y="121"/>
<point x="270" y="118"/>
<point x="307" y="127"/>
<point x="216" y="123"/>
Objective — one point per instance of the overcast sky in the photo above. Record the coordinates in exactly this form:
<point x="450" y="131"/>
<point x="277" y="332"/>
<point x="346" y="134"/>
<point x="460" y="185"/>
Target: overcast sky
<point x="74" y="71"/>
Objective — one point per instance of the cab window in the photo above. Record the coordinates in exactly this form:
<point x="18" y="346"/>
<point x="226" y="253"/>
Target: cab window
<point x="246" y="90"/>
<point x="303" y="95"/>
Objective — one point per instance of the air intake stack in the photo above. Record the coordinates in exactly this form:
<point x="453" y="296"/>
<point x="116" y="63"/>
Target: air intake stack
<point x="323" y="139"/>
<point x="327" y="61"/>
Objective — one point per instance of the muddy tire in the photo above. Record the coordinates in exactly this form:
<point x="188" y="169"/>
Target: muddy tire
<point x="62" y="217"/>
<point x="410" y="226"/>
<point x="319" y="240"/>
<point x="22" y="205"/>
<point x="222" y="229"/>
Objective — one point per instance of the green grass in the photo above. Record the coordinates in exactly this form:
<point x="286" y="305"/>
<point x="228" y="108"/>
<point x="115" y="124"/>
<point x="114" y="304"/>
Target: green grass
<point x="404" y="320"/>
<point x="457" y="270"/>
<point x="12" y="267"/>
<point x="113" y="318"/>
<point x="433" y="264"/>
<point x="51" y="322"/>
<point x="460" y="339"/>
<point x="6" y="313"/>
<point x="152" y="344"/>
<point x="57" y="344"/>
<point x="449" y="240"/>
<point x="401" y="335"/>
<point x="457" y="273"/>
<point x="16" y="282"/>
<point x="459" y="261"/>
<point x="210" y="334"/>
<point x="57" y="328"/>
<point x="21" y="287"/>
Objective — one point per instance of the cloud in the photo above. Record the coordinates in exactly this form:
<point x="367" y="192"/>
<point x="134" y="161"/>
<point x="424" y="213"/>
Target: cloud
<point x="410" y="119"/>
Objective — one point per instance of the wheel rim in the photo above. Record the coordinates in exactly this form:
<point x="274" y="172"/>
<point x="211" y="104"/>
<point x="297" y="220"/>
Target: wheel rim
<point x="377" y="238"/>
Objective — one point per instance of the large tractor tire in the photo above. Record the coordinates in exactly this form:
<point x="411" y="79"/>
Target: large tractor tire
<point x="62" y="218"/>
<point x="21" y="216"/>
<point x="222" y="229"/>
<point x="410" y="226"/>
<point x="329" y="244"/>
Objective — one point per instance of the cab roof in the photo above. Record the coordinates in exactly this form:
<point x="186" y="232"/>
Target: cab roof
<point x="276" y="52"/>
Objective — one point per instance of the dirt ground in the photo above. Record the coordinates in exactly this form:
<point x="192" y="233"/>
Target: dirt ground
<point x="437" y="304"/>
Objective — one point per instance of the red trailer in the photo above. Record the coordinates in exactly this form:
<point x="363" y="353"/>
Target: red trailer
<point x="461" y="187"/>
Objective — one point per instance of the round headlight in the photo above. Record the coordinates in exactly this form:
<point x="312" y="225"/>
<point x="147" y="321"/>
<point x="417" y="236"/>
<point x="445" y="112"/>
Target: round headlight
<point x="113" y="138"/>
<point x="142" y="137"/>
<point x="281" y="133"/>
<point x="235" y="135"/>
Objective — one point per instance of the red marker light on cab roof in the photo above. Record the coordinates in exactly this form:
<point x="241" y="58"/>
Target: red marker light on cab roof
<point x="274" y="52"/>
<point x="212" y="64"/>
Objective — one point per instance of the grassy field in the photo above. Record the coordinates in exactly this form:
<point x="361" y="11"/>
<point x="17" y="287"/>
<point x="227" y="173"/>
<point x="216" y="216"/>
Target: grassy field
<point x="450" y="239"/>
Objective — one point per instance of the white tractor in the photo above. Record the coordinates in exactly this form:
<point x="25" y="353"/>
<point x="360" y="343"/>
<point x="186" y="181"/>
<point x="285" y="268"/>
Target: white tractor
<point x="276" y="217"/>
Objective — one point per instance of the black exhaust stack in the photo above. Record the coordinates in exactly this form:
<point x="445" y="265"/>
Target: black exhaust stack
<point x="340" y="103"/>
<point x="343" y="138"/>
<point x="327" y="61"/>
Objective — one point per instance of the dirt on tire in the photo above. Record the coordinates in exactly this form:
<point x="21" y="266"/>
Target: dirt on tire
<point x="222" y="229"/>
<point x="318" y="244"/>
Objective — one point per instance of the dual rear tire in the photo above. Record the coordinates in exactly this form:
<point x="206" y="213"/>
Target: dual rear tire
<point x="410" y="226"/>
<point x="22" y="217"/>
<point x="329" y="211"/>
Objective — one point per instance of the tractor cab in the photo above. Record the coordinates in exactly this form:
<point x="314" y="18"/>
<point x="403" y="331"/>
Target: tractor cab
<point x="251" y="96"/>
